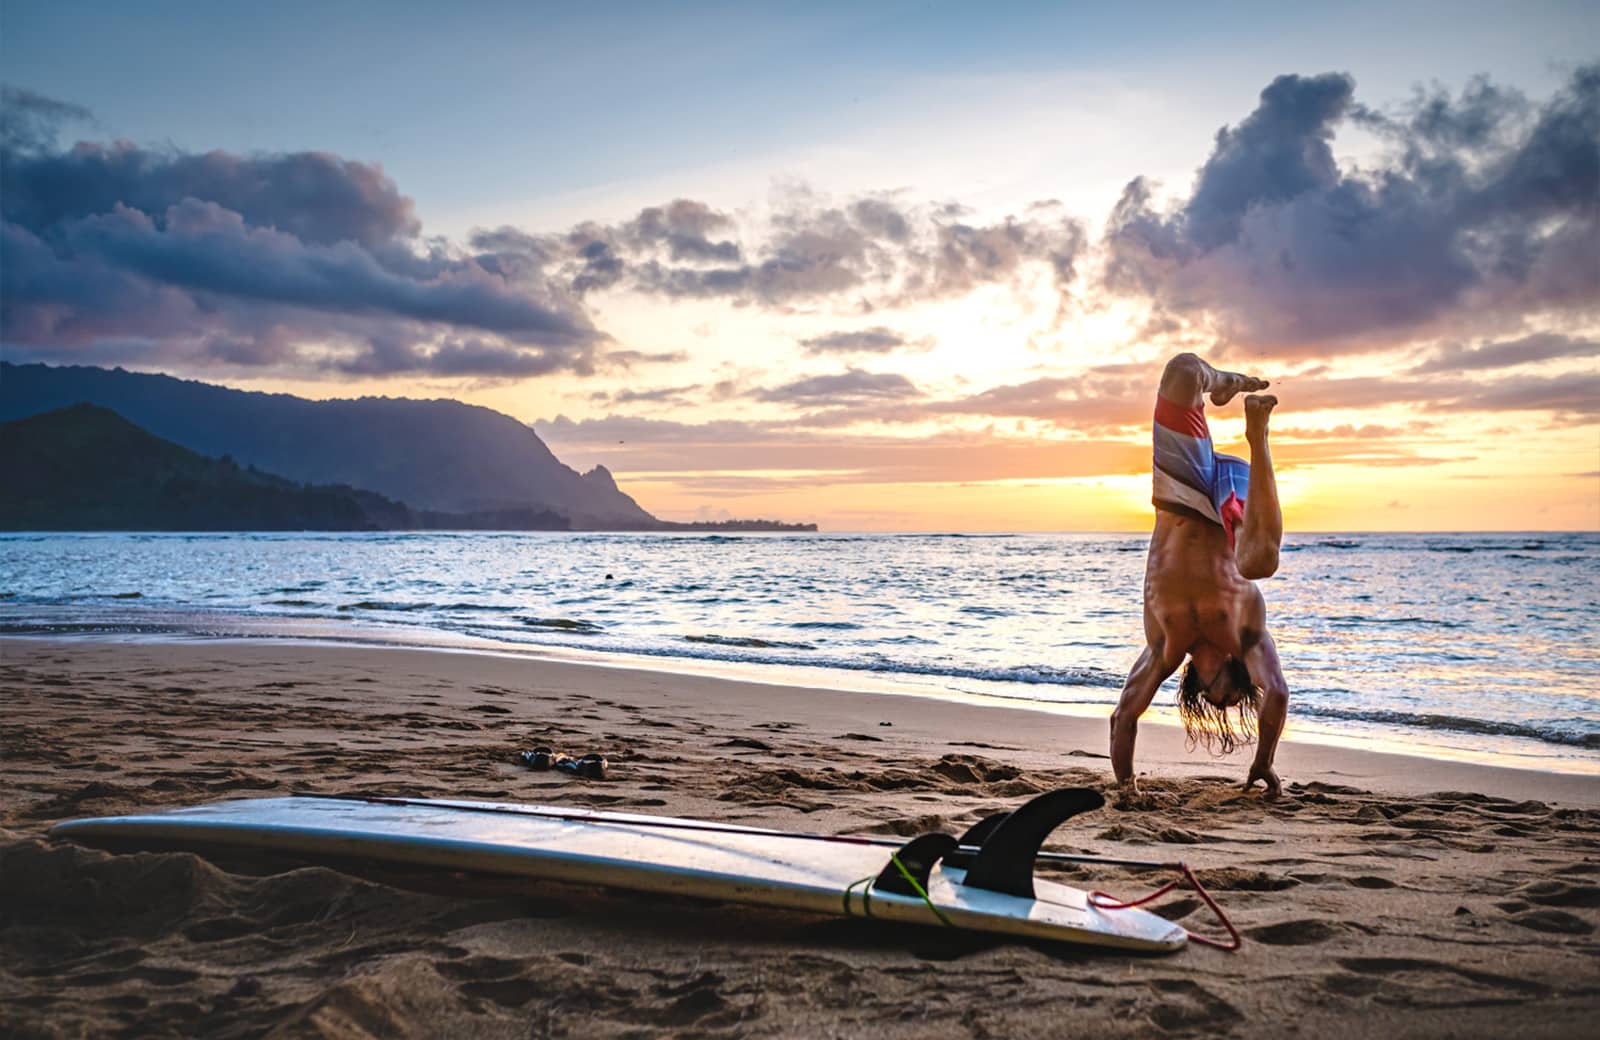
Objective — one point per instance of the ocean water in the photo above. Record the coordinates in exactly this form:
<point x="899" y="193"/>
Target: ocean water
<point x="1477" y="646"/>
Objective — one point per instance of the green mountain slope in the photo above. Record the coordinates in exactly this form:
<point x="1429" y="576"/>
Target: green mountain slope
<point x="87" y="468"/>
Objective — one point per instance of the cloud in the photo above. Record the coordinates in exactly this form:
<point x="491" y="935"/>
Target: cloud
<point x="864" y="252"/>
<point x="1344" y="431"/>
<point x="1576" y="397"/>
<point x="1083" y="402"/>
<point x="658" y="395"/>
<point x="630" y="358"/>
<point x="1572" y="396"/>
<point x="876" y="340"/>
<point x="1542" y="346"/>
<point x="850" y="385"/>
<point x="774" y="454"/>
<point x="455" y="357"/>
<point x="304" y="262"/>
<point x="1480" y="213"/>
<point x="879" y="253"/>
<point x="684" y="227"/>
<point x="203" y="247"/>
<point x="1111" y="398"/>
<point x="31" y="122"/>
<point x="316" y="197"/>
<point x="1479" y="118"/>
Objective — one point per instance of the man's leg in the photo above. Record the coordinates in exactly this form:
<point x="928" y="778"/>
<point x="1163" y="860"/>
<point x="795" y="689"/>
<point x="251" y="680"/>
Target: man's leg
<point x="1261" y="535"/>
<point x="1188" y="379"/>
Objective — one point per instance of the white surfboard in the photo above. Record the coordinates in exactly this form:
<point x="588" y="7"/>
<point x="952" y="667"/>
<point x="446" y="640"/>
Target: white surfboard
<point x="641" y="853"/>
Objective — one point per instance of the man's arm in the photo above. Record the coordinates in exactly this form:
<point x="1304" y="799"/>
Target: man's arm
<point x="1149" y="672"/>
<point x="1267" y="673"/>
<point x="1187" y="379"/>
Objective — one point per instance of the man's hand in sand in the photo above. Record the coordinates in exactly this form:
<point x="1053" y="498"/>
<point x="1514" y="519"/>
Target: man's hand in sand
<point x="1268" y="776"/>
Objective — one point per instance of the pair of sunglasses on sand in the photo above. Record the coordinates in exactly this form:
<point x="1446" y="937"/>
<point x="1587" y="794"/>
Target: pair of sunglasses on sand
<point x="592" y="767"/>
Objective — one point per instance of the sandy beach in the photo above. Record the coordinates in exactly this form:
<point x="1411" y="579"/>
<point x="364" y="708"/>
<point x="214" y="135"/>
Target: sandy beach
<point x="1383" y="894"/>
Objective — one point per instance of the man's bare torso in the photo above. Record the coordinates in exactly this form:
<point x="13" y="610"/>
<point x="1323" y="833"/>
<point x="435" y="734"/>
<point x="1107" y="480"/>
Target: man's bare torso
<point x="1193" y="592"/>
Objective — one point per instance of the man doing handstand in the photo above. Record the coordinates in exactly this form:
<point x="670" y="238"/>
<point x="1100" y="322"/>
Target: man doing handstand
<point x="1218" y="527"/>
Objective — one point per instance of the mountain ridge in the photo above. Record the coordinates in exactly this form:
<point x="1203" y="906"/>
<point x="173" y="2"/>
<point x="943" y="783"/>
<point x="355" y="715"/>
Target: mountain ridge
<point x="446" y="461"/>
<point x="433" y="454"/>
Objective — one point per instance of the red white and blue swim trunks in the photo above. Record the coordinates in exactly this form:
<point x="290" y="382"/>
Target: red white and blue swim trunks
<point x="1190" y="477"/>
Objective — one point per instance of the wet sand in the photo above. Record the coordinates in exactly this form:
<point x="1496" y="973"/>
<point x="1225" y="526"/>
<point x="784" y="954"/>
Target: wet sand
<point x="1382" y="894"/>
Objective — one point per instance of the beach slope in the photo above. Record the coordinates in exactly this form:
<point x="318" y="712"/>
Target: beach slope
<point x="1381" y="894"/>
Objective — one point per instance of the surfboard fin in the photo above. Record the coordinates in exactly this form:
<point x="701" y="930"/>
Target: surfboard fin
<point x="1004" y="861"/>
<point x="918" y="857"/>
<point x="973" y="840"/>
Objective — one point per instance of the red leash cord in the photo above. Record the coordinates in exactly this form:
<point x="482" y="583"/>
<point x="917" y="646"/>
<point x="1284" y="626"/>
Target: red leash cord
<point x="1102" y="901"/>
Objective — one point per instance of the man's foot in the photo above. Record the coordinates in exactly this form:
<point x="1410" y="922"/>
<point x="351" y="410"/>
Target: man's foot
<point x="1257" y="408"/>
<point x="1231" y="384"/>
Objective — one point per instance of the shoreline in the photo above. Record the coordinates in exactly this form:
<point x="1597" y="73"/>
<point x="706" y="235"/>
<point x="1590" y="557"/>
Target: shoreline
<point x="363" y="634"/>
<point x="1080" y="734"/>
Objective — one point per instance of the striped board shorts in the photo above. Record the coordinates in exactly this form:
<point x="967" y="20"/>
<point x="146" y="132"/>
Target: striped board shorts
<point x="1190" y="477"/>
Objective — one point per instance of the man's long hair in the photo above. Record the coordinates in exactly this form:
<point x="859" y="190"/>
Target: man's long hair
<point x="1216" y="728"/>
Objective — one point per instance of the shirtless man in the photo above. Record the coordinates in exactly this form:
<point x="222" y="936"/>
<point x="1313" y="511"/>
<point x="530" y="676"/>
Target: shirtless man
<point x="1218" y="527"/>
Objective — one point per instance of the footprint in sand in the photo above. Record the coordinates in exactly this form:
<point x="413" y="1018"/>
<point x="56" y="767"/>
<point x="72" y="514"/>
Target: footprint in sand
<point x="1371" y="882"/>
<point x="1390" y="967"/>
<point x="1558" y="922"/>
<point x="1195" y="1008"/>
<point x="1294" y="933"/>
<point x="1559" y="893"/>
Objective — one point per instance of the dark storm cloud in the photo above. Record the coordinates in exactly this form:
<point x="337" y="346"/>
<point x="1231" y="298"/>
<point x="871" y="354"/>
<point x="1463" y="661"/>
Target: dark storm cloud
<point x="876" y="340"/>
<point x="1543" y="346"/>
<point x="850" y="385"/>
<point x="304" y="261"/>
<point x="1482" y="210"/>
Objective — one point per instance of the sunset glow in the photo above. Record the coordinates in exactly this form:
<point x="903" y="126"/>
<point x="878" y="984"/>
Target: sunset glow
<point x="933" y="294"/>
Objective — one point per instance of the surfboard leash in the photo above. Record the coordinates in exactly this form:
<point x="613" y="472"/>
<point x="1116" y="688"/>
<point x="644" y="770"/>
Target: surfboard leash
<point x="1102" y="901"/>
<point x="911" y="879"/>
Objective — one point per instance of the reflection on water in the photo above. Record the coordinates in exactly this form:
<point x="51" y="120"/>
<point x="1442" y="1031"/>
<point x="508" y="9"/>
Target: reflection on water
<point x="1485" y="643"/>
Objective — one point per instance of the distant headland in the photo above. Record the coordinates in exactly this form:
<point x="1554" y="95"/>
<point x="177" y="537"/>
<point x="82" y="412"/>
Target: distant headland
<point x="105" y="449"/>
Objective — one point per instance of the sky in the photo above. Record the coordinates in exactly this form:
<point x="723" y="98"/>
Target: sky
<point x="907" y="266"/>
